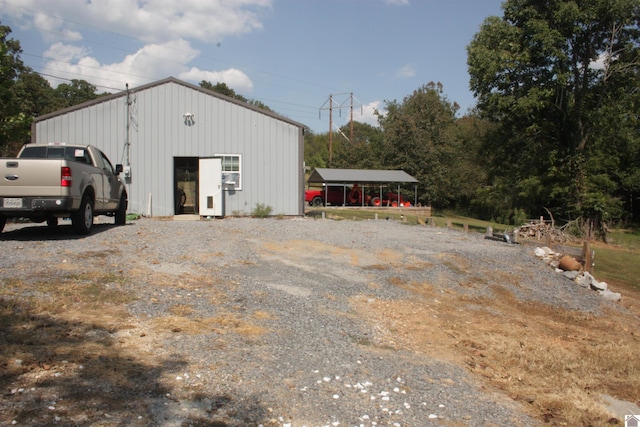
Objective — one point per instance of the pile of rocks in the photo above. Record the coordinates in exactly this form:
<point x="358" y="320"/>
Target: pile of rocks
<point x="572" y="269"/>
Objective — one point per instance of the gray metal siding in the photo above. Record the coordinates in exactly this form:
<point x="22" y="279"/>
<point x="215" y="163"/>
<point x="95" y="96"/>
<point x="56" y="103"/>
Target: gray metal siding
<point x="271" y="149"/>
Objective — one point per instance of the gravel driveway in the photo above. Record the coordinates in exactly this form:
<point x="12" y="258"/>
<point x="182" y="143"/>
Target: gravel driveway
<point x="247" y="322"/>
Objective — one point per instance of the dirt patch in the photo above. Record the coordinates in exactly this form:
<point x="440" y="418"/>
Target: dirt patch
<point x="558" y="362"/>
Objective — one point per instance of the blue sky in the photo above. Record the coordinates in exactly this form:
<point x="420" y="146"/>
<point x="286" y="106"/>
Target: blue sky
<point x="289" y="54"/>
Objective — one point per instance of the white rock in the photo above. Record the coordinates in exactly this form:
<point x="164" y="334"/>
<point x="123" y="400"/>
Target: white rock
<point x="433" y="416"/>
<point x="610" y="296"/>
<point x="584" y="280"/>
<point x="598" y="286"/>
<point x="572" y="274"/>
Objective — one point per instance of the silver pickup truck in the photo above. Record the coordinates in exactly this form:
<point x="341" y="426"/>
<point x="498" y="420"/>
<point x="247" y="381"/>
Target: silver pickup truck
<point x="46" y="182"/>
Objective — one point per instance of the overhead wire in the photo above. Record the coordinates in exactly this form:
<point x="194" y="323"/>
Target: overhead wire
<point x="311" y="109"/>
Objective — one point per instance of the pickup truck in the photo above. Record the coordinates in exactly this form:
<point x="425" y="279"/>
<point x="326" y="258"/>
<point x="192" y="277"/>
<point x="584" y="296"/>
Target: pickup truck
<point x="46" y="182"/>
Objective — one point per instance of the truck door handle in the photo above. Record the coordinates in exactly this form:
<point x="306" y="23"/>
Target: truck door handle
<point x="11" y="177"/>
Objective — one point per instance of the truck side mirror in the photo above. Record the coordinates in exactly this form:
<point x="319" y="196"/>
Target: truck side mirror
<point x="118" y="169"/>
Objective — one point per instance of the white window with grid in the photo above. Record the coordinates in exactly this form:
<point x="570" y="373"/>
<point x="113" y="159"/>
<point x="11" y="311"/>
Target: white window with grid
<point x="231" y="171"/>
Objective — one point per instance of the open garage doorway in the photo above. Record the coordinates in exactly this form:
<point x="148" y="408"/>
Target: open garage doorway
<point x="185" y="177"/>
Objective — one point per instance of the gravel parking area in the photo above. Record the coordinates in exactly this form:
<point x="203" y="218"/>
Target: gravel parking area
<point x="247" y="322"/>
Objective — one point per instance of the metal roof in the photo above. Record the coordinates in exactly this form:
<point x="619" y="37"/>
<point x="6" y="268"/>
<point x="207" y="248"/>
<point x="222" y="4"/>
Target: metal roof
<point x="174" y="80"/>
<point x="361" y="176"/>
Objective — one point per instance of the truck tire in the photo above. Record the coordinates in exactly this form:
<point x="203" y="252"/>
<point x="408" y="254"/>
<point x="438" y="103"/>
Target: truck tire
<point x="317" y="201"/>
<point x="82" y="219"/>
<point x="121" y="213"/>
<point x="3" y="221"/>
<point x="52" y="222"/>
<point x="375" y="201"/>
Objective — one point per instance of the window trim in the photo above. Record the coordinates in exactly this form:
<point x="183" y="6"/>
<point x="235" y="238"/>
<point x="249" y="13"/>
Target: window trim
<point x="238" y="186"/>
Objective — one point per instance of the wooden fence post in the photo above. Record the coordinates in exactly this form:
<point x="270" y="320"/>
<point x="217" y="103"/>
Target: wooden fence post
<point x="489" y="232"/>
<point x="587" y="256"/>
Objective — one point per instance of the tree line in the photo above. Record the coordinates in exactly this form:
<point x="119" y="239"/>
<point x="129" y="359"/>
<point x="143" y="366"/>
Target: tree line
<point x="556" y="127"/>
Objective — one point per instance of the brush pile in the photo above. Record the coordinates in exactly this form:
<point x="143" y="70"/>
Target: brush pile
<point x="542" y="230"/>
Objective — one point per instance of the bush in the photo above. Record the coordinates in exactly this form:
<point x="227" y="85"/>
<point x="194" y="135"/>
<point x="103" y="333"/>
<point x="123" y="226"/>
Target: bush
<point x="261" y="211"/>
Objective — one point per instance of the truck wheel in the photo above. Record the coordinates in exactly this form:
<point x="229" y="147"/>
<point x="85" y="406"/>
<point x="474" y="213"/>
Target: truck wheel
<point x="375" y="201"/>
<point x="52" y="222"/>
<point x="121" y="213"/>
<point x="3" y="221"/>
<point x="317" y="201"/>
<point x="82" y="220"/>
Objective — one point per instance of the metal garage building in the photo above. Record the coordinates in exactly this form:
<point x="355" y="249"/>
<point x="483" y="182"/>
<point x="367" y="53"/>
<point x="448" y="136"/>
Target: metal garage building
<point x="186" y="149"/>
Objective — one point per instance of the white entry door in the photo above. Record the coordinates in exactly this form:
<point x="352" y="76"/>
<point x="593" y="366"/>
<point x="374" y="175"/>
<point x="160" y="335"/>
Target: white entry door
<point x="210" y="187"/>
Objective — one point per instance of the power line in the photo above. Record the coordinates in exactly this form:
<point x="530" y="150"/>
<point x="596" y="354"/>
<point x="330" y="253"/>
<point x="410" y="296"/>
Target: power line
<point x="305" y="109"/>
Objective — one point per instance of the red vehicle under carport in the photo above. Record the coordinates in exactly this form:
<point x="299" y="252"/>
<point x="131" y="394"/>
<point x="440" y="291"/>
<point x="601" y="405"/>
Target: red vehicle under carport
<point x="357" y="187"/>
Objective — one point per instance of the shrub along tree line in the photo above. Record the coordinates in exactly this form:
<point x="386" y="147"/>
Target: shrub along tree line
<point x="556" y="127"/>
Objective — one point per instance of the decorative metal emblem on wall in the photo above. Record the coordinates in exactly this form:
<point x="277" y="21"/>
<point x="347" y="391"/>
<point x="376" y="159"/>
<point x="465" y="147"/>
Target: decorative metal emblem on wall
<point x="189" y="119"/>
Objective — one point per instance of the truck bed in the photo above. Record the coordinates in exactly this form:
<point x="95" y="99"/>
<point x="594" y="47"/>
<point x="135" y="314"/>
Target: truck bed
<point x="31" y="177"/>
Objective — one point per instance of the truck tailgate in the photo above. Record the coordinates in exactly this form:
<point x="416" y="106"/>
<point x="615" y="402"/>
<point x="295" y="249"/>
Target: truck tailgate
<point x="31" y="177"/>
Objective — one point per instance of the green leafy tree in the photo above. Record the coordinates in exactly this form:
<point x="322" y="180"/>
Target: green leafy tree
<point x="74" y="93"/>
<point x="362" y="150"/>
<point x="550" y="74"/>
<point x="469" y="174"/>
<point x="420" y="139"/>
<point x="35" y="94"/>
<point x="12" y="121"/>
<point x="316" y="150"/>
<point x="223" y="89"/>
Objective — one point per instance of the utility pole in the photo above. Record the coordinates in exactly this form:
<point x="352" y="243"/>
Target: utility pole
<point x="330" y="129"/>
<point x="127" y="142"/>
<point x="339" y="108"/>
<point x="351" y="117"/>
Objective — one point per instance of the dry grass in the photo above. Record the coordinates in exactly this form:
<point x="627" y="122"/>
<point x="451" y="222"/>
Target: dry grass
<point x="69" y="340"/>
<point x="558" y="362"/>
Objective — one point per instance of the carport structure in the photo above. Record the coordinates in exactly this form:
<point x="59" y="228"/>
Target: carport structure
<point x="363" y="177"/>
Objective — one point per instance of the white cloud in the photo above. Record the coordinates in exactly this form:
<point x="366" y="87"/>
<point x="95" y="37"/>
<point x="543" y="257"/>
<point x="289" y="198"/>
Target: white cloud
<point x="235" y="79"/>
<point x="397" y="2"/>
<point x="151" y="21"/>
<point x="367" y="113"/>
<point x="406" y="71"/>
<point x="153" y="61"/>
<point x="161" y="33"/>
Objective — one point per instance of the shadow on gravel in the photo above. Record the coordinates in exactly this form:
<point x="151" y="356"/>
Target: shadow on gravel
<point x="54" y="371"/>
<point x="39" y="232"/>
